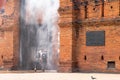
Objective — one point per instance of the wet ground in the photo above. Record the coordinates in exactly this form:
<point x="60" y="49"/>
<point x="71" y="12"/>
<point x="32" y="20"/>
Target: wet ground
<point x="58" y="76"/>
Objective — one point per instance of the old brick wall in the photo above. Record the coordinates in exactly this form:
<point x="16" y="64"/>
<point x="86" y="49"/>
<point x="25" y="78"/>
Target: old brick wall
<point x="9" y="30"/>
<point x="88" y="15"/>
<point x="110" y="51"/>
<point x="99" y="18"/>
<point x="65" y="23"/>
<point x="112" y="9"/>
<point x="76" y="18"/>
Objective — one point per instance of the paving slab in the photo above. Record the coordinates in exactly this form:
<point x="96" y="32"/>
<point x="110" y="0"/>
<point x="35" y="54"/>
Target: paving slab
<point x="59" y="76"/>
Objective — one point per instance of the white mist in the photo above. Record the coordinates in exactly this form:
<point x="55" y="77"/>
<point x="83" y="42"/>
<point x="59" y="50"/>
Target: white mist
<point x="39" y="31"/>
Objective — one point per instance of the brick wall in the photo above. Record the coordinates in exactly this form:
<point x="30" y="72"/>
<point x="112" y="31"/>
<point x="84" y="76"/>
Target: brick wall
<point x="90" y="16"/>
<point x="93" y="54"/>
<point x="76" y="18"/>
<point x="65" y="23"/>
<point x="95" y="58"/>
<point x="1" y="3"/>
<point x="9" y="30"/>
<point x="112" y="9"/>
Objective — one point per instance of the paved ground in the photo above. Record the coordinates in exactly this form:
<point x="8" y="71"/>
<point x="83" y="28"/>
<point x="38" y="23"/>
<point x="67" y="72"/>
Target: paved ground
<point x="58" y="76"/>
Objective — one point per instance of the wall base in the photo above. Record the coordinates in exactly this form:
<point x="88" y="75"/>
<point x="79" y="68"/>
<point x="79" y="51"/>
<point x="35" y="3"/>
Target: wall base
<point x="65" y="67"/>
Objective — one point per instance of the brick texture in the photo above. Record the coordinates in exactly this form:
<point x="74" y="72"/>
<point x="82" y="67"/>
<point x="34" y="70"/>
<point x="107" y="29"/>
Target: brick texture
<point x="76" y="18"/>
<point x="9" y="34"/>
<point x="90" y="16"/>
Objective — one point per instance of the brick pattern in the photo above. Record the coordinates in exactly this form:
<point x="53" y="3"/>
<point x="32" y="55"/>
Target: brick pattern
<point x="110" y="51"/>
<point x="65" y="48"/>
<point x="112" y="9"/>
<point x="9" y="34"/>
<point x="65" y="57"/>
<point x="2" y="3"/>
<point x="76" y="18"/>
<point x="93" y="17"/>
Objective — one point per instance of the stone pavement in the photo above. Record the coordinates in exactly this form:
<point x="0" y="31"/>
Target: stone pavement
<point x="58" y="76"/>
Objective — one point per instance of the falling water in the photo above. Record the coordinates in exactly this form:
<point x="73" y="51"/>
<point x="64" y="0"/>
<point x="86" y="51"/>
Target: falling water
<point x="39" y="32"/>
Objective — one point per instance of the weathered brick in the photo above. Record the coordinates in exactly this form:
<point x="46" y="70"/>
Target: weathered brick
<point x="76" y="18"/>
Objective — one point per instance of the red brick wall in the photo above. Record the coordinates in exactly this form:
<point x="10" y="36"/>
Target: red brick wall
<point x="65" y="48"/>
<point x="9" y="30"/>
<point x="112" y="9"/>
<point x="73" y="28"/>
<point x="2" y="3"/>
<point x="101" y="17"/>
<point x="65" y="57"/>
<point x="96" y="22"/>
<point x="94" y="11"/>
<point x="110" y="51"/>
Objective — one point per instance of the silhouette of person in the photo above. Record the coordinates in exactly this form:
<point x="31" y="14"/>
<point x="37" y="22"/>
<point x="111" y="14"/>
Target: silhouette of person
<point x="37" y="60"/>
<point x="44" y="60"/>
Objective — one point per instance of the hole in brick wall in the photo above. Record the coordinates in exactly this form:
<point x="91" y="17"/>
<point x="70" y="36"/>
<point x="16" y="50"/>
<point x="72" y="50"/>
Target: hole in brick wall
<point x="102" y="57"/>
<point x="85" y="57"/>
<point x="111" y="7"/>
<point x="1" y="56"/>
<point x="111" y="64"/>
<point x="85" y="12"/>
<point x="119" y="57"/>
<point x="94" y="9"/>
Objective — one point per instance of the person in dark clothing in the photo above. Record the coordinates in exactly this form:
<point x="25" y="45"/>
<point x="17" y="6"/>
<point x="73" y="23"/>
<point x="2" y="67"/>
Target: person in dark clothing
<point x="37" y="61"/>
<point x="44" y="61"/>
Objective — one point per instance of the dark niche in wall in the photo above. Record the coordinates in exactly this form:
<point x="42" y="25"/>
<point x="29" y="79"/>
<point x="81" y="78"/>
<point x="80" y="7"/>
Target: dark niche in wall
<point x="111" y="64"/>
<point x="95" y="38"/>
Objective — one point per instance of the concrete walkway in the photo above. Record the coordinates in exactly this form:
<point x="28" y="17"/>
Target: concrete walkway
<point x="58" y="76"/>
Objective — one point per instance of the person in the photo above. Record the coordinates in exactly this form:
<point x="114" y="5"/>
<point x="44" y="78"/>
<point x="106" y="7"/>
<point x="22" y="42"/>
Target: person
<point x="44" y="60"/>
<point x="37" y="60"/>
